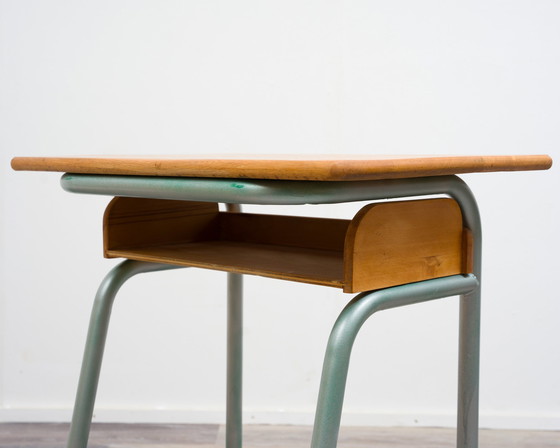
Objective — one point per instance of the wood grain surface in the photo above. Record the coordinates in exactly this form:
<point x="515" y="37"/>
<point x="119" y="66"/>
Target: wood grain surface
<point x="196" y="234"/>
<point x="393" y="243"/>
<point x="385" y="244"/>
<point x="140" y="222"/>
<point x="316" y="267"/>
<point x="297" y="167"/>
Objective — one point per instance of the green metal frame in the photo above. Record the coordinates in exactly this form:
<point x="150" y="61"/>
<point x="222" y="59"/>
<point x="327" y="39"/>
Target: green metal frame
<point x="345" y="330"/>
<point x="235" y="191"/>
<point x="234" y="376"/>
<point x="95" y="345"/>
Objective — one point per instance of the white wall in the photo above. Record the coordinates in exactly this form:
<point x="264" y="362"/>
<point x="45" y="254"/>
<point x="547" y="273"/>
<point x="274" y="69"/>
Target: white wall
<point x="143" y="77"/>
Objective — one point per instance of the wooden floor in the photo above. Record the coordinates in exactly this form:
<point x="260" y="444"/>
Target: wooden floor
<point x="103" y="435"/>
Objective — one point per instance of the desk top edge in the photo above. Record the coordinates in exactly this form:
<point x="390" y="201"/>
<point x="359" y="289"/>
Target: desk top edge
<point x="306" y="167"/>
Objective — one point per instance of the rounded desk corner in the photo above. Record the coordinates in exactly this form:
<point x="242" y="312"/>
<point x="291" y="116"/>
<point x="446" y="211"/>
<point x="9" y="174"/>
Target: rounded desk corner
<point x="15" y="163"/>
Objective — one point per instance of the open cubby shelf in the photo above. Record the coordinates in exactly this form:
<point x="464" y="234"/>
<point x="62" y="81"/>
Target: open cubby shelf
<point x="385" y="244"/>
<point x="320" y="267"/>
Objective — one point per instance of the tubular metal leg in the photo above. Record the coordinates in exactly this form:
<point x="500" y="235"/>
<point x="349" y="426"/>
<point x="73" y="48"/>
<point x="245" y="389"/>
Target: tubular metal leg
<point x="234" y="386"/>
<point x="345" y="330"/>
<point x="469" y="361"/>
<point x="95" y="343"/>
<point x="469" y="326"/>
<point x="234" y="421"/>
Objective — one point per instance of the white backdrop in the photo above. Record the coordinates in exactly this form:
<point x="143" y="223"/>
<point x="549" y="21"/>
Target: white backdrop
<point x="149" y="77"/>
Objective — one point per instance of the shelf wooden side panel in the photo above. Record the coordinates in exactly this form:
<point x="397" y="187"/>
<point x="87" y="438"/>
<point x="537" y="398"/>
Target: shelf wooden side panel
<point x="319" y="267"/>
<point x="139" y="223"/>
<point x="394" y="243"/>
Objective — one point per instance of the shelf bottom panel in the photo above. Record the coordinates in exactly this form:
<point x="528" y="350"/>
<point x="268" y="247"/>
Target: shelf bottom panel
<point x="318" y="267"/>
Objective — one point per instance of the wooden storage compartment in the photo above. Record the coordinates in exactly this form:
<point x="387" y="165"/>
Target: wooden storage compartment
<point x="386" y="244"/>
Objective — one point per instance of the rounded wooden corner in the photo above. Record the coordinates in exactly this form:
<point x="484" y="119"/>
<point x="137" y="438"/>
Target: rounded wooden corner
<point x="349" y="246"/>
<point x="392" y="243"/>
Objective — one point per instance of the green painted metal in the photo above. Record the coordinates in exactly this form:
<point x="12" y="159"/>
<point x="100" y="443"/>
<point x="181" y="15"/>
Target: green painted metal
<point x="235" y="191"/>
<point x="234" y="386"/>
<point x="95" y="344"/>
<point x="234" y="389"/>
<point x="469" y="325"/>
<point x="345" y="330"/>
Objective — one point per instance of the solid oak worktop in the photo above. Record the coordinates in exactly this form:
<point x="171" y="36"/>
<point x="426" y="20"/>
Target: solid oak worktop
<point x="285" y="167"/>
